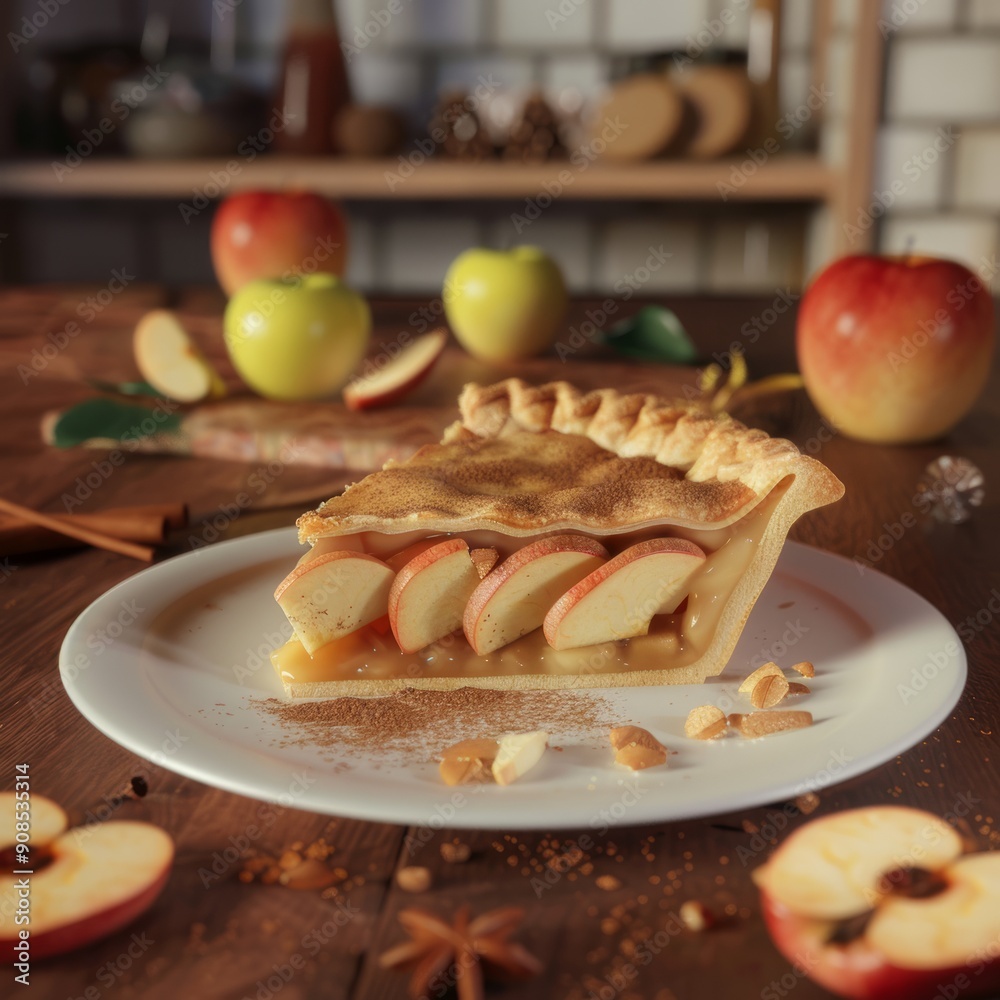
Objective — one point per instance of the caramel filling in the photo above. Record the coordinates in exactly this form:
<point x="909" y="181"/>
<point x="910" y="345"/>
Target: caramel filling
<point x="674" y="640"/>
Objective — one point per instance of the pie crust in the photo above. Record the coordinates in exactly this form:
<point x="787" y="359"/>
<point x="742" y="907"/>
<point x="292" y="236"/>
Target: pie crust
<point x="525" y="461"/>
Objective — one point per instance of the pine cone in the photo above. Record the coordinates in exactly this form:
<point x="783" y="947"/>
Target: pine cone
<point x="535" y="136"/>
<point x="464" y="137"/>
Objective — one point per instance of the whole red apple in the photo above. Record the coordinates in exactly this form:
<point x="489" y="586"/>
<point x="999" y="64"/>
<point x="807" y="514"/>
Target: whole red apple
<point x="276" y="234"/>
<point x="895" y="349"/>
<point x="881" y="902"/>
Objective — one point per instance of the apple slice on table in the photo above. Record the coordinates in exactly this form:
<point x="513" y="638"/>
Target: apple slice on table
<point x="333" y="595"/>
<point x="171" y="362"/>
<point x="619" y="599"/>
<point x="87" y="883"/>
<point x="400" y="376"/>
<point x="429" y="594"/>
<point x="515" y="598"/>
<point x="879" y="902"/>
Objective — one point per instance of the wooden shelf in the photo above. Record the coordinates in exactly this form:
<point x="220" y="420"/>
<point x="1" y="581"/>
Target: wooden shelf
<point x="782" y="178"/>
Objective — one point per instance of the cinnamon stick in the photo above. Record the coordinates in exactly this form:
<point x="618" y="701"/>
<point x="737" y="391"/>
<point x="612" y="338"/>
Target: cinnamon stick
<point x="91" y="536"/>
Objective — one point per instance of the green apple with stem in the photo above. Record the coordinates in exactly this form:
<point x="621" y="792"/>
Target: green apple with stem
<point x="297" y="338"/>
<point x="505" y="305"/>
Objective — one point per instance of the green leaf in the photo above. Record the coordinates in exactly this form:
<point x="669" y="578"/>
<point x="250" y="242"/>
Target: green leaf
<point x="654" y="333"/>
<point x="124" y="388"/>
<point x="110" y="420"/>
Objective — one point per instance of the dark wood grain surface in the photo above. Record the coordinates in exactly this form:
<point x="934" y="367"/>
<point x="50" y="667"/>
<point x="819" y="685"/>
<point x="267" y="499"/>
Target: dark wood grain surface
<point x="212" y="936"/>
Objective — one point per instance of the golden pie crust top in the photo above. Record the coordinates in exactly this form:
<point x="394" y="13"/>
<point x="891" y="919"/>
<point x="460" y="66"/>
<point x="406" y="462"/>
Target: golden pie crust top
<point x="524" y="459"/>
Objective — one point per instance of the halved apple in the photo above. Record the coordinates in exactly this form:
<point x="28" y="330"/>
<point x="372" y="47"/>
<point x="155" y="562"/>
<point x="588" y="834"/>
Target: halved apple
<point x="619" y="599"/>
<point x="515" y="598"/>
<point x="87" y="883"/>
<point x="400" y="376"/>
<point x="171" y="362"/>
<point x="878" y="902"/>
<point x="429" y="594"/>
<point x="333" y="595"/>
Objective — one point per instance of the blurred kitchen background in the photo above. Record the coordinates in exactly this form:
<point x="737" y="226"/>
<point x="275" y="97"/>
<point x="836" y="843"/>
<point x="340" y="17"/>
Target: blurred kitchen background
<point x="762" y="138"/>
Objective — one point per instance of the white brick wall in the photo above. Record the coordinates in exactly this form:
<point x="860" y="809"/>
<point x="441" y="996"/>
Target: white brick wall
<point x="417" y="250"/>
<point x="965" y="238"/>
<point x="652" y="25"/>
<point x="977" y="169"/>
<point x="625" y="247"/>
<point x="914" y="157"/>
<point x="952" y="78"/>
<point x="541" y="24"/>
<point x="942" y="73"/>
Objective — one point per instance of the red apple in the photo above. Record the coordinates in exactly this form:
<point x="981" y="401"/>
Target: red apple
<point x="880" y="902"/>
<point x="87" y="883"/>
<point x="276" y="234"/>
<point x="895" y="349"/>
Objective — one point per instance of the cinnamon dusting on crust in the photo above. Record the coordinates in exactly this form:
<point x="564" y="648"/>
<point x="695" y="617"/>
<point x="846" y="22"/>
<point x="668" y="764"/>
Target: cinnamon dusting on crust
<point x="523" y="482"/>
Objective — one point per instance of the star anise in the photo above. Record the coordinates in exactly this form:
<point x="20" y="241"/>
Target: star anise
<point x="441" y="954"/>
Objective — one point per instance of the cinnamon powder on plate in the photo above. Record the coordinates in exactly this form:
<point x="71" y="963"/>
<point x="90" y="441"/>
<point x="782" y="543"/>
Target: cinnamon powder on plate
<point x="416" y="721"/>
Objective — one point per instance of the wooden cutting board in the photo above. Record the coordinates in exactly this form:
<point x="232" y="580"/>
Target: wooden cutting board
<point x="249" y="429"/>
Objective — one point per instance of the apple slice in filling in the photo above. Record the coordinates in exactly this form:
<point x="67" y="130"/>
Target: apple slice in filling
<point x="515" y="598"/>
<point x="619" y="599"/>
<point x="333" y="595"/>
<point x="428" y="597"/>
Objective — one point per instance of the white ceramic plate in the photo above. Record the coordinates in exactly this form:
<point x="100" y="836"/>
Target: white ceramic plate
<point x="154" y="664"/>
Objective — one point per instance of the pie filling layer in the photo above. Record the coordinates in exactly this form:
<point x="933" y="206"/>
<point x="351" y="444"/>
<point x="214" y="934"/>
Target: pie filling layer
<point x="674" y="639"/>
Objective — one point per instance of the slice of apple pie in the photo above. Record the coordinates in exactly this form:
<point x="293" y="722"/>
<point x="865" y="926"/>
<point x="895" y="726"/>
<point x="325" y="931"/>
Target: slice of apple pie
<point x="554" y="538"/>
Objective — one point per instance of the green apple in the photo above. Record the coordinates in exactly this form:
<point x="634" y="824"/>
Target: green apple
<point x="504" y="305"/>
<point x="297" y="338"/>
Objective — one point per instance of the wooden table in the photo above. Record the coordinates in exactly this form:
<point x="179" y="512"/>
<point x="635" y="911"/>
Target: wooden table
<point x="221" y="938"/>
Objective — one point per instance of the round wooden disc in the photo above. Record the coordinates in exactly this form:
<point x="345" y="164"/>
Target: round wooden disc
<point x="638" y="118"/>
<point x="719" y="105"/>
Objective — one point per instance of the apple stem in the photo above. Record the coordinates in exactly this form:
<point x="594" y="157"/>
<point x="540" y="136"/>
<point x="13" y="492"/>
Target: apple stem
<point x="137" y="788"/>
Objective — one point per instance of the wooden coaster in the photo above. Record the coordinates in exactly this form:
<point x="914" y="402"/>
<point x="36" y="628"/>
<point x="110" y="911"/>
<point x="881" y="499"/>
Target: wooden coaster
<point x="718" y="106"/>
<point x="638" y="119"/>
